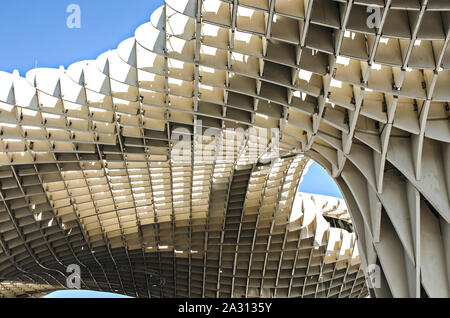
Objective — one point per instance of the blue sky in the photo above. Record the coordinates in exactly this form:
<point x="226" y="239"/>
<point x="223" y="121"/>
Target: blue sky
<point x="33" y="30"/>
<point x="83" y="294"/>
<point x="35" y="33"/>
<point x="318" y="181"/>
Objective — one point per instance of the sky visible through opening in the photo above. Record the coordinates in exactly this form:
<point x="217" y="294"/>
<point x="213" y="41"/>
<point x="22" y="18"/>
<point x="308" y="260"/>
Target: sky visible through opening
<point x="35" y="33"/>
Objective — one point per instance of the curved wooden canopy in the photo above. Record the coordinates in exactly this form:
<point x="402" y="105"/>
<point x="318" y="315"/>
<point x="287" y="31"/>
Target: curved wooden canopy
<point x="88" y="172"/>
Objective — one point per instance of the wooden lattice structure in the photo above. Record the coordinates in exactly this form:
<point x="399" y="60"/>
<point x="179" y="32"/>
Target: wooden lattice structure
<point x="88" y="173"/>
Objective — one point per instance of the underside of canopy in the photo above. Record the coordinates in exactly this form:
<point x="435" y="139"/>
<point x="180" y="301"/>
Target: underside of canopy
<point x="90" y="172"/>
